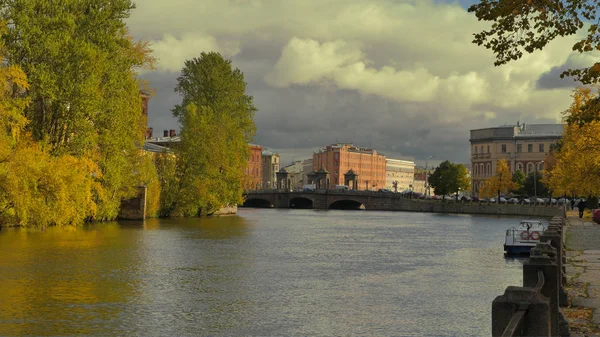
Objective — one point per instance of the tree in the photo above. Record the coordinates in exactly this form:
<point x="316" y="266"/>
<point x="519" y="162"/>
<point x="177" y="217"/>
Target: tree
<point x="37" y="188"/>
<point x="499" y="182"/>
<point x="216" y="116"/>
<point x="519" y="179"/>
<point x="528" y="25"/>
<point x="572" y="167"/>
<point x="449" y="178"/>
<point x="534" y="184"/>
<point x="84" y="97"/>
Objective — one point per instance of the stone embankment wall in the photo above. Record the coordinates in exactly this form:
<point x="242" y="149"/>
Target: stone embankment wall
<point x="467" y="208"/>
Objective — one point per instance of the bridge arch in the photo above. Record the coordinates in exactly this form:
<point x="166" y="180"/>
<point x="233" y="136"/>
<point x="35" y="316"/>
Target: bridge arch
<point x="346" y="204"/>
<point x="301" y="203"/>
<point x="258" y="203"/>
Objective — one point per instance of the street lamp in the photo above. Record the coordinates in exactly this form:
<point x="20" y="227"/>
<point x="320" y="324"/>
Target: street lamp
<point x="426" y="174"/>
<point x="535" y="181"/>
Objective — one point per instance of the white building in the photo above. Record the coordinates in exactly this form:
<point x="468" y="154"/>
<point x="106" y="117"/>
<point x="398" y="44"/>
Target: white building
<point x="402" y="171"/>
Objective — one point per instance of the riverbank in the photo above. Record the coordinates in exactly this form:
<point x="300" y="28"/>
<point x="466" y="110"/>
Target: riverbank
<point x="583" y="275"/>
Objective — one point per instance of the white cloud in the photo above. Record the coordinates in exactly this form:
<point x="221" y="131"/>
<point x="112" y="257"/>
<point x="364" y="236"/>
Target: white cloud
<point x="414" y="57"/>
<point x="172" y="52"/>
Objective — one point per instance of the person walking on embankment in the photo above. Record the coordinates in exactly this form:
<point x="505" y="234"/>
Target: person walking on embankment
<point x="581" y="206"/>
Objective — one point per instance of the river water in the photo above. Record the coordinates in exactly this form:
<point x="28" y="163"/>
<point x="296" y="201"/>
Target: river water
<point x="263" y="272"/>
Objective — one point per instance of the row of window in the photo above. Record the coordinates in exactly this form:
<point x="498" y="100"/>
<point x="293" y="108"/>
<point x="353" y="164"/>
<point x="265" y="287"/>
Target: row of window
<point x="480" y="169"/>
<point x="519" y="148"/>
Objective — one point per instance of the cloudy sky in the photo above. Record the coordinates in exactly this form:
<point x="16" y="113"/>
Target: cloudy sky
<point x="401" y="76"/>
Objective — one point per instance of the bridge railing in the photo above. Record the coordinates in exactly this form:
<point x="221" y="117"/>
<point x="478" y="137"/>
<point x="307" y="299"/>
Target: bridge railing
<point x="534" y="309"/>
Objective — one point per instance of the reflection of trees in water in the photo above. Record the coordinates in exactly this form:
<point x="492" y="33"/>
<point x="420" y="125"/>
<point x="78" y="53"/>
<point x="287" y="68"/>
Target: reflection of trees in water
<point x="65" y="279"/>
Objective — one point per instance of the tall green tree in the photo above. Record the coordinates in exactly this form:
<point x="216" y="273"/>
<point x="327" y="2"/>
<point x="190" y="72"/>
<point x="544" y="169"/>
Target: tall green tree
<point x="527" y="25"/>
<point x="534" y="185"/>
<point x="519" y="179"/>
<point x="216" y="117"/>
<point x="82" y="64"/>
<point x="449" y="178"/>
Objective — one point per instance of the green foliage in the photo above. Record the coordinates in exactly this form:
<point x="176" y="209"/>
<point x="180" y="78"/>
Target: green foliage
<point x="84" y="95"/>
<point x="217" y="123"/>
<point x="530" y="187"/>
<point x="449" y="178"/>
<point x="519" y="179"/>
<point x="166" y="169"/>
<point x="148" y="176"/>
<point x="528" y="25"/>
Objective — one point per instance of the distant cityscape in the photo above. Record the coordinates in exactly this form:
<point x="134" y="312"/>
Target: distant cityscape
<point x="346" y="165"/>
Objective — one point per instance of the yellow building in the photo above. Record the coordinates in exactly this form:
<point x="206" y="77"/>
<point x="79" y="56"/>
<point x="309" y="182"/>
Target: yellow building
<point x="524" y="146"/>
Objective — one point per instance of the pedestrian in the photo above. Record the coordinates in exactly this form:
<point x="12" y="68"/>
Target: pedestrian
<point x="573" y="204"/>
<point x="581" y="206"/>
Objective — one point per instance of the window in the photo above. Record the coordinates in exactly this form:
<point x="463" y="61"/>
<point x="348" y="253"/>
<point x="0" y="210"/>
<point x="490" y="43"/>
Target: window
<point x="481" y="148"/>
<point x="541" y="147"/>
<point x="520" y="166"/>
<point x="475" y="149"/>
<point x="529" y="147"/>
<point x="529" y="167"/>
<point x="519" y="147"/>
<point x="488" y="148"/>
<point x="503" y="148"/>
<point x="489" y="169"/>
<point x="540" y="166"/>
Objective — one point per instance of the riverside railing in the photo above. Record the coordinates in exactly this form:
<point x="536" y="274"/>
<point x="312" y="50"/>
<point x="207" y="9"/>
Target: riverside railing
<point x="534" y="309"/>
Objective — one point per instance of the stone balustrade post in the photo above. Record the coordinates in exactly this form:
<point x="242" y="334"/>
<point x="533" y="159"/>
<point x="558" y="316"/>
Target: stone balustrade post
<point x="536" y="321"/>
<point x="555" y="241"/>
<point x="540" y="259"/>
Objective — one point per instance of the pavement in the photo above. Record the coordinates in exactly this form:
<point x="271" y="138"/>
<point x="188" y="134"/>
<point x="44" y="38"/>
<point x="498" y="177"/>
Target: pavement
<point x="583" y="275"/>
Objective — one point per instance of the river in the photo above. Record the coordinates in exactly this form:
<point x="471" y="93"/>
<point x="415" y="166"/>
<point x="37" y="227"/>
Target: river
<point x="262" y="272"/>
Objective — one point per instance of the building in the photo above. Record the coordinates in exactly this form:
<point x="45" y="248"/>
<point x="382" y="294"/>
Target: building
<point x="145" y="96"/>
<point x="523" y="146"/>
<point x="295" y="174"/>
<point x="270" y="166"/>
<point x="254" y="170"/>
<point x="402" y="171"/>
<point x="338" y="159"/>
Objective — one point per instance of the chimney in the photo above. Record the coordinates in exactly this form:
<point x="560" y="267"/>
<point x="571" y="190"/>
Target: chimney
<point x="148" y="133"/>
<point x="172" y="133"/>
<point x="165" y="133"/>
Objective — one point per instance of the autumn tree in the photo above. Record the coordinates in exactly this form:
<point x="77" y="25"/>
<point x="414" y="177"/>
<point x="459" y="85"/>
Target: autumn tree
<point x="574" y="164"/>
<point x="216" y="117"/>
<point x="500" y="182"/>
<point x="449" y="178"/>
<point x="37" y="188"/>
<point x="527" y="25"/>
<point x="84" y="97"/>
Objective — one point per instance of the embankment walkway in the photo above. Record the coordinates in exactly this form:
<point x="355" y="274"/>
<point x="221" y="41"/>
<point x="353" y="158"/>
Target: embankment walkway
<point x="583" y="275"/>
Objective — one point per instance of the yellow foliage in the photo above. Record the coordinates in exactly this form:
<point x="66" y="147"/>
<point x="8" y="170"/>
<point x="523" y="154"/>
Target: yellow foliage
<point x="499" y="182"/>
<point x="577" y="164"/>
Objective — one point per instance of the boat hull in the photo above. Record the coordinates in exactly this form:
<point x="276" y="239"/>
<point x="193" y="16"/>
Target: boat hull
<point x="517" y="250"/>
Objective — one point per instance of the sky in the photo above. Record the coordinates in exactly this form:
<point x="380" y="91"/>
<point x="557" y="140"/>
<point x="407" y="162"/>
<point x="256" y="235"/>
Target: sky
<point x="399" y="76"/>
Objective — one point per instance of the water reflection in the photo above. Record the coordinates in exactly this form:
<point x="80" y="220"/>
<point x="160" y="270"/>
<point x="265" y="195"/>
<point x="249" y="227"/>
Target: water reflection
<point x="265" y="272"/>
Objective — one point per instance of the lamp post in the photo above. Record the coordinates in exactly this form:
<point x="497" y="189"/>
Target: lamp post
<point x="426" y="175"/>
<point x="535" y="181"/>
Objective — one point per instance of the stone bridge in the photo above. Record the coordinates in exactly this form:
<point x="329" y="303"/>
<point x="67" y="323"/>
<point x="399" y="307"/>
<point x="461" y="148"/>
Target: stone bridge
<point x="386" y="201"/>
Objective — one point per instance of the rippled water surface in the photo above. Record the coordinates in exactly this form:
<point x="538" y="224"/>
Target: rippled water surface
<point x="263" y="272"/>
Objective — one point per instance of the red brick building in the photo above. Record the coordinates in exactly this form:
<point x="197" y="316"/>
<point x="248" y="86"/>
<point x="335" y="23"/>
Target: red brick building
<point x="254" y="169"/>
<point x="338" y="159"/>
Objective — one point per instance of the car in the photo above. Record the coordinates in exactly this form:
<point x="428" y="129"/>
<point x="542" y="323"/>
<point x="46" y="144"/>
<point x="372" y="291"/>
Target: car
<point x="385" y="190"/>
<point x="492" y="200"/>
<point x="465" y="198"/>
<point x="513" y="201"/>
<point x="526" y="201"/>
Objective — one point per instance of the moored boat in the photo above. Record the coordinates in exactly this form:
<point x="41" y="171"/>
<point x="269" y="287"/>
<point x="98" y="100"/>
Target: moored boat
<point x="519" y="240"/>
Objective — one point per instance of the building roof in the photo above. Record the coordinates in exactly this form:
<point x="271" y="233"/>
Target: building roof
<point x="518" y="131"/>
<point x="150" y="147"/>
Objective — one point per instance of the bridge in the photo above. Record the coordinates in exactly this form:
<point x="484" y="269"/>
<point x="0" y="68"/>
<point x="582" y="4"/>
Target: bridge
<point x="385" y="201"/>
